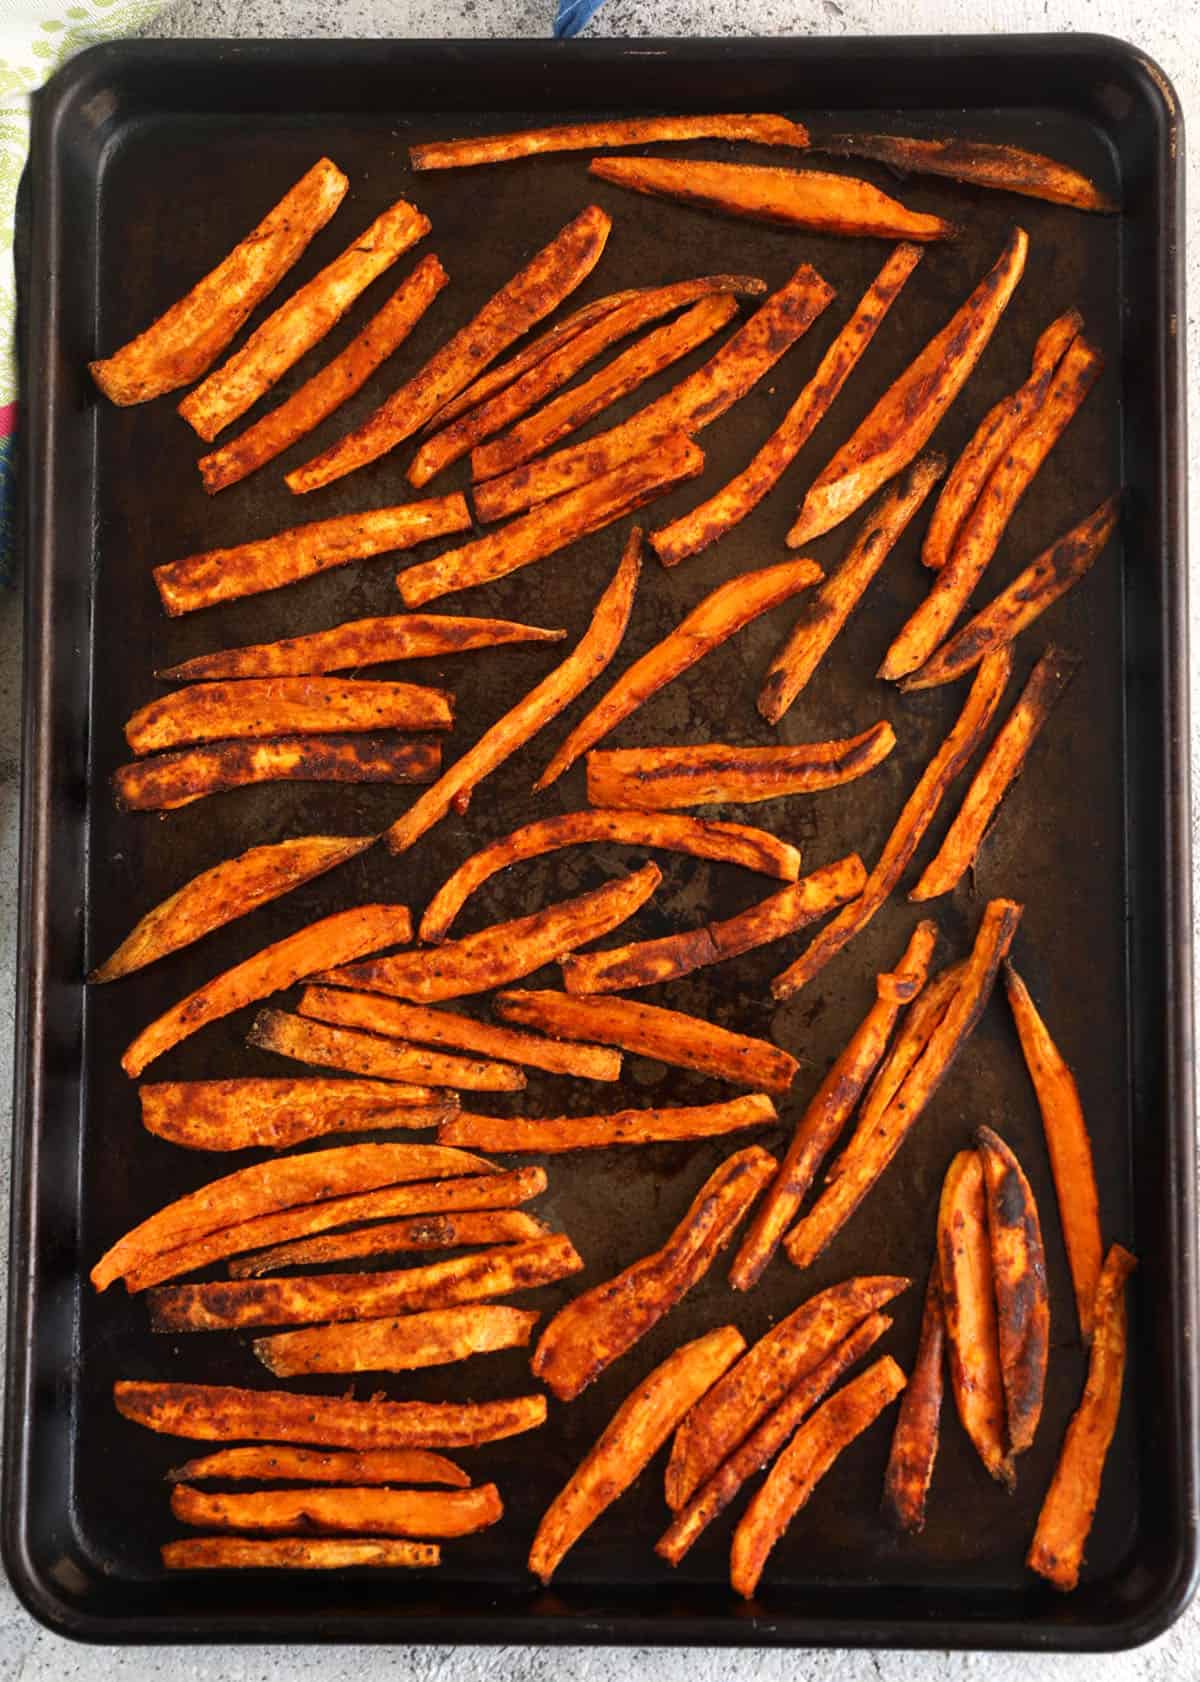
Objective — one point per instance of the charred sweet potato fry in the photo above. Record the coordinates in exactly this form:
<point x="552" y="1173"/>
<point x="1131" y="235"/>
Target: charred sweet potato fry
<point x="969" y="1305"/>
<point x="625" y="1127"/>
<point x="171" y="780"/>
<point x="415" y="1232"/>
<point x="900" y="424"/>
<point x="632" y="1437"/>
<point x="668" y="1036"/>
<point x="917" y="814"/>
<point x="225" y="1413"/>
<point x="296" y="1553"/>
<point x="712" y="519"/>
<point x="761" y="128"/>
<point x="829" y="1109"/>
<point x="382" y="1512"/>
<point x="722" y="613"/>
<point x="276" y="1463"/>
<point x="222" y="575"/>
<point x="915" y="1439"/>
<point x="231" y="1115"/>
<point x="986" y="163"/>
<point x="532" y="293"/>
<point x="595" y="1329"/>
<point x="189" y="337"/>
<point x="802" y="1465"/>
<point x="1000" y="767"/>
<point x="377" y="1057"/>
<point x="285" y="706"/>
<point x="1022" y="1296"/>
<point x="827" y="611"/>
<point x="432" y="1339"/>
<point x="652" y="778"/>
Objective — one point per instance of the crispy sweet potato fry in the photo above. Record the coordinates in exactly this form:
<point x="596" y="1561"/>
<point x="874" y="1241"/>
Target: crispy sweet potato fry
<point x="917" y="814"/>
<point x="384" y="1512"/>
<point x="189" y="337"/>
<point x="723" y="510"/>
<point x="632" y="1437"/>
<point x="915" y="1439"/>
<point x="1000" y="767"/>
<point x="544" y="701"/>
<point x="228" y="1305"/>
<point x="969" y="1307"/>
<point x="375" y="1056"/>
<point x="829" y="1109"/>
<point x="171" y="780"/>
<point x="926" y="1011"/>
<point x="222" y="575"/>
<point x="231" y="889"/>
<point x="901" y="422"/>
<point x="595" y="1329"/>
<point x="416" y="1232"/>
<point x="301" y="321"/>
<point x="668" y="1036"/>
<point x="432" y="1339"/>
<point x="723" y="612"/>
<point x="225" y="1413"/>
<point x="761" y="128"/>
<point x="626" y="1127"/>
<point x="230" y="1115"/>
<point x="984" y="162"/>
<point x="296" y="1553"/>
<point x="276" y="1463"/>
<point x="696" y="401"/>
<point x="532" y="293"/>
<point x="883" y="1127"/>
<point x="826" y="612"/>
<point x="285" y="706"/>
<point x="330" y="940"/>
<point x="1065" y="1520"/>
<point x="1022" y="1296"/>
<point x="713" y="771"/>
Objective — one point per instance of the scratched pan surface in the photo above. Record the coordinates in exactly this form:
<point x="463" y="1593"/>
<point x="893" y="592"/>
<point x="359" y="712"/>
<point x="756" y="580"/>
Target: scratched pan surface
<point x="151" y="162"/>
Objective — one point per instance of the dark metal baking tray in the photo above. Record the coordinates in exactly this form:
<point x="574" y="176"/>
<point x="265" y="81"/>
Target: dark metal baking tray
<point x="148" y="162"/>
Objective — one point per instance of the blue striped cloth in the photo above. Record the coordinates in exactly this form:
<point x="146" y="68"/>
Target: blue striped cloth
<point x="574" y="15"/>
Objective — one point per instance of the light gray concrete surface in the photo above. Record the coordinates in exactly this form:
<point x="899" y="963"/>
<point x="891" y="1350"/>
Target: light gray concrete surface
<point x="1170" y="32"/>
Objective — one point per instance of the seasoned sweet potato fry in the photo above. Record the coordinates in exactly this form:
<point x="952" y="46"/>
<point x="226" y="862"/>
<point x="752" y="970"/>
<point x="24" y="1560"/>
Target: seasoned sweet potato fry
<point x="296" y="1553"/>
<point x="883" y="1128"/>
<point x="532" y="293"/>
<point x="923" y="1016"/>
<point x="713" y="771"/>
<point x="668" y="1036"/>
<point x="171" y="780"/>
<point x="301" y="321"/>
<point x="632" y="1437"/>
<point x="377" y="1057"/>
<point x="915" y="1439"/>
<point x="387" y="1238"/>
<point x="802" y="1465"/>
<point x="917" y="814"/>
<point x="225" y="1413"/>
<point x="625" y="1127"/>
<point x="1022" y="1296"/>
<point x="189" y="337"/>
<point x="969" y="1306"/>
<point x="827" y="611"/>
<point x="231" y="1115"/>
<point x="984" y="162"/>
<point x="595" y="1329"/>
<point x="829" y="1109"/>
<point x="761" y="128"/>
<point x="723" y="612"/>
<point x="900" y="424"/>
<point x="383" y="1512"/>
<point x="1000" y="767"/>
<point x="431" y="1339"/>
<point x="285" y="706"/>
<point x="330" y="940"/>
<point x="730" y="843"/>
<point x="276" y="1463"/>
<point x="712" y="519"/>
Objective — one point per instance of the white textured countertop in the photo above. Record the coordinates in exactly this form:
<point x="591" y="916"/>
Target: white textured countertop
<point x="1170" y="32"/>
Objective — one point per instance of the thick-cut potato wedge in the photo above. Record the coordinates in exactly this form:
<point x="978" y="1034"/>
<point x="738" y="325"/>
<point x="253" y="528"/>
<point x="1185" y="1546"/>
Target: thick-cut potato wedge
<point x="915" y="1439"/>
<point x="829" y="1109"/>
<point x="231" y="889"/>
<point x="999" y="768"/>
<point x="1031" y="592"/>
<point x="1065" y="1520"/>
<point x="631" y="1439"/>
<point x="532" y="293"/>
<point x="232" y="1115"/>
<point x="505" y="951"/>
<point x="416" y="1232"/>
<point x="285" y="706"/>
<point x="301" y="322"/>
<point x="883" y="1128"/>
<point x="223" y="575"/>
<point x="1022" y="1295"/>
<point x="189" y="337"/>
<point x="595" y="1329"/>
<point x="544" y="701"/>
<point x="375" y="1056"/>
<point x="901" y="422"/>
<point x="226" y="1413"/>
<point x="761" y="128"/>
<point x="802" y="1465"/>
<point x="713" y="771"/>
<point x="644" y="962"/>
<point x="432" y="1339"/>
<point x="1068" y="1146"/>
<point x="229" y="1305"/>
<point x="276" y="1463"/>
<point x="723" y="612"/>
<point x="626" y="1127"/>
<point x="723" y="510"/>
<point x="986" y="163"/>
<point x="826" y="612"/>
<point x="383" y="1512"/>
<point x="985" y="525"/>
<point x="917" y="814"/>
<point x="704" y="838"/>
<point x="171" y="780"/>
<point x="296" y="1553"/>
<point x="668" y="1036"/>
<point x="693" y="404"/>
<point x="765" y="1441"/>
<point x="330" y="940"/>
<point x="969" y="1308"/>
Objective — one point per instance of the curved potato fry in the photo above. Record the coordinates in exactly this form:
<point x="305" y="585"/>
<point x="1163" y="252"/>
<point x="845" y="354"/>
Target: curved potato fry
<point x="969" y="1305"/>
<point x="296" y="1553"/>
<point x="1019" y="1276"/>
<point x="385" y="1512"/>
<point x="1011" y="169"/>
<point x="231" y="1115"/>
<point x="285" y="706"/>
<point x="276" y="1463"/>
<point x="171" y="780"/>
<point x="430" y="1339"/>
<point x="392" y="1238"/>
<point x="761" y="128"/>
<point x="371" y="1054"/>
<point x="551" y="1134"/>
<point x="915" y="1439"/>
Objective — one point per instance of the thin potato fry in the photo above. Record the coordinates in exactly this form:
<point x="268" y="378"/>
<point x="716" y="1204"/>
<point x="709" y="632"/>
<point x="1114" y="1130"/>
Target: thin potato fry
<point x="275" y="1463"/>
<point x="416" y="1232"/>
<point x="927" y="1010"/>
<point x="377" y="1057"/>
<point x="984" y="162"/>
<point x="285" y="706"/>
<point x="547" y="1135"/>
<point x="969" y="1305"/>
<point x="231" y="1115"/>
<point x="915" y="1439"/>
<point x="296" y="1553"/>
<point x="1019" y="1276"/>
<point x="383" y="1512"/>
<point x="761" y="128"/>
<point x="432" y="1339"/>
<point x="171" y="780"/>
